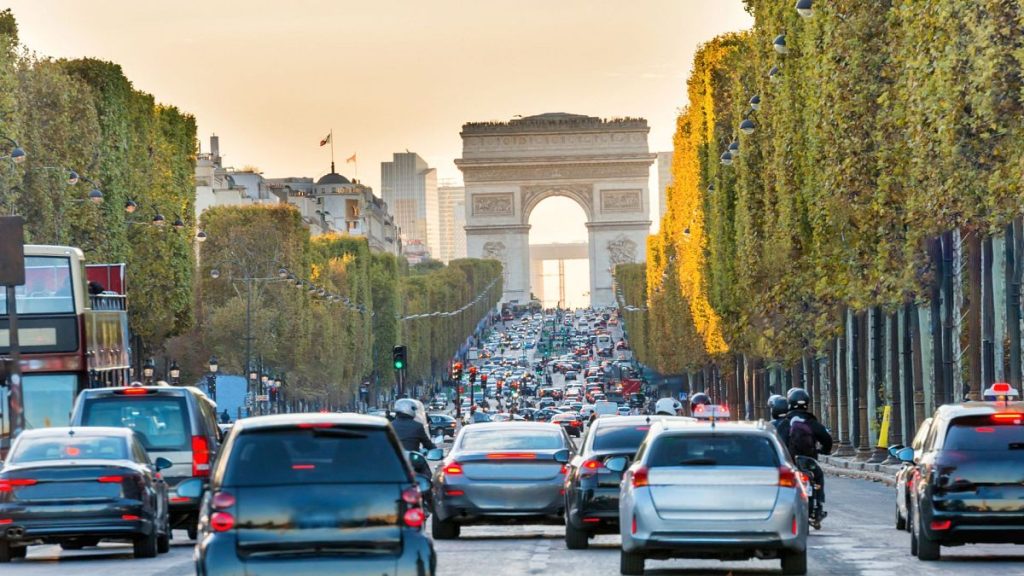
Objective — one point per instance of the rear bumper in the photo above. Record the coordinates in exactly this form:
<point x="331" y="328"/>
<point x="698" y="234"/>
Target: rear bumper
<point x="974" y="528"/>
<point x="108" y="523"/>
<point x="594" y="510"/>
<point x="546" y="507"/>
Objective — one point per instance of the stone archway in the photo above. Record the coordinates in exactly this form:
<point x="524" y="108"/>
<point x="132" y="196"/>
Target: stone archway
<point x="510" y="167"/>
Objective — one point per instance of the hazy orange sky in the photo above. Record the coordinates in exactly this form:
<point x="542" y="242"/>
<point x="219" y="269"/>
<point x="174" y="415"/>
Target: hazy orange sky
<point x="272" y="78"/>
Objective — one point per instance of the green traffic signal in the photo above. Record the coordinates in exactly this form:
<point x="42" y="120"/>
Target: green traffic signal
<point x="399" y="364"/>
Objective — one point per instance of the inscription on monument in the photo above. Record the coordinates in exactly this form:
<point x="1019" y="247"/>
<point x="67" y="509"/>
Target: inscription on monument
<point x="621" y="201"/>
<point x="493" y="205"/>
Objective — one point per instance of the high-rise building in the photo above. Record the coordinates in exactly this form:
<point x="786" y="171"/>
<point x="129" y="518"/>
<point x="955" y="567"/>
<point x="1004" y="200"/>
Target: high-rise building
<point x="451" y="200"/>
<point x="409" y="187"/>
<point x="664" y="181"/>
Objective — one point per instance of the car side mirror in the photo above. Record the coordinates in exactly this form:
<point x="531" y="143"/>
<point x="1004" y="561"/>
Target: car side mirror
<point x="416" y="459"/>
<point x="562" y="456"/>
<point x="894" y="449"/>
<point x="905" y="455"/>
<point x="617" y="463"/>
<point x="435" y="455"/>
<point x="423" y="483"/>
<point x="191" y="488"/>
<point x="162" y="464"/>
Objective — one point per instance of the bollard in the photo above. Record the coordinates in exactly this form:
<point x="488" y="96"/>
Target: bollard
<point x="880" y="453"/>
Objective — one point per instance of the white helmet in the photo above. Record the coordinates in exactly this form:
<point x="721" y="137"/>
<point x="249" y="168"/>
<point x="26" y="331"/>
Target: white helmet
<point x="668" y="406"/>
<point x="406" y="406"/>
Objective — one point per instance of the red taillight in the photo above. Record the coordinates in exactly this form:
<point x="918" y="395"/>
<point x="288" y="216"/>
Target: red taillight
<point x="590" y="467"/>
<point x="640" y="478"/>
<point x="411" y="496"/>
<point x="511" y="456"/>
<point x="111" y="479"/>
<point x="453" y="469"/>
<point x="1008" y="417"/>
<point x="592" y="520"/>
<point x="132" y="391"/>
<point x="222" y="500"/>
<point x="453" y="493"/>
<point x="8" y="485"/>
<point x="787" y="477"/>
<point x="941" y="524"/>
<point x="129" y="517"/>
<point x="633" y="527"/>
<point x="564" y="470"/>
<point x="305" y="425"/>
<point x="200" y="456"/>
<point x="796" y="528"/>
<point x="179" y="499"/>
<point x="222" y="521"/>
<point x="413" y="517"/>
<point x="303" y="466"/>
<point x="6" y="521"/>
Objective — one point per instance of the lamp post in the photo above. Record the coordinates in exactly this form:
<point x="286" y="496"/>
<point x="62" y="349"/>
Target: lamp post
<point x="264" y="379"/>
<point x="17" y="155"/>
<point x="147" y="371"/>
<point x="211" y="379"/>
<point x="174" y="373"/>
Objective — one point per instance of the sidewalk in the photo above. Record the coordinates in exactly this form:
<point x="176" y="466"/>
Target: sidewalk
<point x="884" y="473"/>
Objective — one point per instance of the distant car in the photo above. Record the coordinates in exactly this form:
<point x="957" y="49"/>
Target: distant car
<point x="570" y="422"/>
<point x="905" y="477"/>
<point x="441" y="424"/>
<point x="313" y="493"/>
<point x="623" y="410"/>
<point x="727" y="491"/>
<point x="500" y="473"/>
<point x="77" y="486"/>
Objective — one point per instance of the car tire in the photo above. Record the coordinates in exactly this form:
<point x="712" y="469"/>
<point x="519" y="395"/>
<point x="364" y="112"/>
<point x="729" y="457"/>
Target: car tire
<point x="193" y="531"/>
<point x="6" y="552"/>
<point x="144" y="545"/>
<point x="575" y="539"/>
<point x="794" y="563"/>
<point x="910" y="528"/>
<point x="631" y="563"/>
<point x="927" y="550"/>
<point x="901" y="522"/>
<point x="444" y="529"/>
<point x="163" y="541"/>
<point x="19" y="551"/>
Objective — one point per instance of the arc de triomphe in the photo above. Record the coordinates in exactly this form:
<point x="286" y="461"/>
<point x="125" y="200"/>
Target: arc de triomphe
<point x="510" y="167"/>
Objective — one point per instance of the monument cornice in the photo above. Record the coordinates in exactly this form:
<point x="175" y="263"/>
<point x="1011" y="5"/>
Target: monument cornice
<point x="645" y="158"/>
<point x="555" y="171"/>
<point x="624" y="224"/>
<point x="491" y="228"/>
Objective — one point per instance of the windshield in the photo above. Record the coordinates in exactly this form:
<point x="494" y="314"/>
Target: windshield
<point x="708" y="450"/>
<point x="509" y="440"/>
<point x="984" y="433"/>
<point x="619" y="438"/>
<point x="47" y="288"/>
<point x="160" y="421"/>
<point x="78" y="447"/>
<point x="48" y="399"/>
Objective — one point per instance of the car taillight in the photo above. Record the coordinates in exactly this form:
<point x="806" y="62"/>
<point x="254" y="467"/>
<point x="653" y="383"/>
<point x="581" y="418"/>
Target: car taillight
<point x="110" y="479"/>
<point x="787" y="477"/>
<point x="413" y="517"/>
<point x="640" y="477"/>
<point x="453" y="469"/>
<point x="222" y="521"/>
<point x="941" y="524"/>
<point x="200" y="456"/>
<point x="411" y="496"/>
<point x="222" y="500"/>
<point x="307" y="425"/>
<point x="10" y="484"/>
<point x="1013" y="417"/>
<point x="590" y="467"/>
<point x="796" y="528"/>
<point x="633" y="527"/>
<point x="511" y="456"/>
<point x="129" y="517"/>
<point x="133" y="391"/>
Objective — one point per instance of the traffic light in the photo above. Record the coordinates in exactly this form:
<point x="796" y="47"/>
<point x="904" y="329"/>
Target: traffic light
<point x="457" y="372"/>
<point x="483" y="379"/>
<point x="398" y="357"/>
<point x="472" y="375"/>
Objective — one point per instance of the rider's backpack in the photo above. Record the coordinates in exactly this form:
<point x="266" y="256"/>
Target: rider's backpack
<point x="801" y="438"/>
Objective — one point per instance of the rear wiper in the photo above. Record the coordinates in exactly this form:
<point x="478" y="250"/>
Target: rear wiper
<point x="698" y="462"/>
<point x="1016" y="446"/>
<point x="337" y="433"/>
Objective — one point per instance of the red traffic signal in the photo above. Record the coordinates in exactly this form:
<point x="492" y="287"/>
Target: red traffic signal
<point x="472" y="369"/>
<point x="483" y="378"/>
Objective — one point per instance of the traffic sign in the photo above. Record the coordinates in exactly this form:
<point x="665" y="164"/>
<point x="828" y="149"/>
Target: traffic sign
<point x="263" y="398"/>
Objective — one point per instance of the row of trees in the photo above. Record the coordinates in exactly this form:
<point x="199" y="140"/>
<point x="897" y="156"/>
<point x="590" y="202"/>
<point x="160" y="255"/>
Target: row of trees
<point x="84" y="115"/>
<point x="327" y="344"/>
<point x="846" y="213"/>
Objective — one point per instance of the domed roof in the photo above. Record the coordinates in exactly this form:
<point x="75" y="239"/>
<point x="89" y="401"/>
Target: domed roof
<point x="332" y="178"/>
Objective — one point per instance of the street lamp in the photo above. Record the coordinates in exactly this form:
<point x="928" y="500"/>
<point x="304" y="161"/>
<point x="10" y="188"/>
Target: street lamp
<point x="201" y="236"/>
<point x="747" y="126"/>
<point x="17" y="154"/>
<point x="130" y="206"/>
<point x="147" y="370"/>
<point x="780" y="45"/>
<point x="179" y="224"/>
<point x="211" y="379"/>
<point x="805" y="8"/>
<point x="774" y="74"/>
<point x="174" y="373"/>
<point x="159" y="220"/>
<point x="726" y="158"/>
<point x="755" y="102"/>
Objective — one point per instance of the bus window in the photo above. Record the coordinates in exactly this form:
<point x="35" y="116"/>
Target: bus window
<point x="48" y="399"/>
<point x="48" y="287"/>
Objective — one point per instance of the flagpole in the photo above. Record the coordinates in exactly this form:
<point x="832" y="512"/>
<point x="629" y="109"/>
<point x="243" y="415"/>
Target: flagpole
<point x="332" y="149"/>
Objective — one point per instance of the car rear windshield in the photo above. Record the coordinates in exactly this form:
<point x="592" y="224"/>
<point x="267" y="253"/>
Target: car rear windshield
<point x="335" y="455"/>
<point x="620" y="438"/>
<point x="976" y="433"/>
<point x="78" y="447"/>
<point x="511" y="440"/>
<point x="161" y="422"/>
<point x="713" y="450"/>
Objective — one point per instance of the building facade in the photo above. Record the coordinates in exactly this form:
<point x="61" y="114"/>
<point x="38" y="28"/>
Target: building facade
<point x="220" y="186"/>
<point x="409" y="187"/>
<point x="451" y="210"/>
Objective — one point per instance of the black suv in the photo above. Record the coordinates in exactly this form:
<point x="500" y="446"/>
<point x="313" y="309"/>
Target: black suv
<point x="591" y="490"/>
<point x="967" y="485"/>
<point x="313" y="493"/>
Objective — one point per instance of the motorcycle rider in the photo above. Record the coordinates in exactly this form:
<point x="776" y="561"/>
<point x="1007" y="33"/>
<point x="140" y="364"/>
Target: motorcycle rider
<point x="409" y="430"/>
<point x="802" y="434"/>
<point x="778" y="407"/>
<point x="668" y="407"/>
<point x="699" y="399"/>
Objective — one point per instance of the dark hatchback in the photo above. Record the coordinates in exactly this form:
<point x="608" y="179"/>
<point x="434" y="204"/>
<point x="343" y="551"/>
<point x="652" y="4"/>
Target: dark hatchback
<point x="591" y="490"/>
<point x="296" y="494"/>
<point x="441" y="424"/>
<point x="968" y="479"/>
<point x="77" y="486"/>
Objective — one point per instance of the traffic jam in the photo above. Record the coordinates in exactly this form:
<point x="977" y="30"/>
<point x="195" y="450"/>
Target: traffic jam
<point x="550" y="422"/>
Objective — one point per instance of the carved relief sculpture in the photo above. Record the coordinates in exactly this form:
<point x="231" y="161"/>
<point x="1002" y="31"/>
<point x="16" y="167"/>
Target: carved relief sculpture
<point x="621" y="250"/>
<point x="493" y="205"/>
<point x="621" y="201"/>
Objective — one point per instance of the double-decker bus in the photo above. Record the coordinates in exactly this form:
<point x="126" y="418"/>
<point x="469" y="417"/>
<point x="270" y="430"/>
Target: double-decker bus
<point x="70" y="337"/>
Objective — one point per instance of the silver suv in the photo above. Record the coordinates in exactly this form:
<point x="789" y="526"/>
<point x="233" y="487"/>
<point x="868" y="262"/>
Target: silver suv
<point x="725" y="490"/>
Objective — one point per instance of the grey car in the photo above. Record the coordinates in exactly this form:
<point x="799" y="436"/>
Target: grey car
<point x="727" y="490"/>
<point x="507" y="472"/>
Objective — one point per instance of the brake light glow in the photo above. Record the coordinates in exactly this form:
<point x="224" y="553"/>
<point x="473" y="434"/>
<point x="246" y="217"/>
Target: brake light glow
<point x="941" y="524"/>
<point x="177" y="499"/>
<point x="8" y="485"/>
<point x="306" y="425"/>
<point x="453" y="469"/>
<point x="1001" y="387"/>
<point x="633" y="527"/>
<point x="413" y="517"/>
<point x="4" y="521"/>
<point x="222" y="500"/>
<point x="787" y="477"/>
<point x="134" y="391"/>
<point x="453" y="493"/>
<point x="984" y="430"/>
<point x="200" y="456"/>
<point x="303" y="466"/>
<point x="222" y="521"/>
<point x="411" y="496"/>
<point x="640" y="478"/>
<point x="591" y="520"/>
<point x="511" y="456"/>
<point x="129" y="517"/>
<point x="1014" y="417"/>
<point x="110" y="479"/>
<point x="795" y="527"/>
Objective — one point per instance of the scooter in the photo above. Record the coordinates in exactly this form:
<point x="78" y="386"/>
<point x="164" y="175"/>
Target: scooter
<point x="816" y="508"/>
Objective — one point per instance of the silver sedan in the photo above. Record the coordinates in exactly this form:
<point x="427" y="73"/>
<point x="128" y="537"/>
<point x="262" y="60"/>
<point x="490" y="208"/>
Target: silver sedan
<point x="497" y="473"/>
<point x="726" y="490"/>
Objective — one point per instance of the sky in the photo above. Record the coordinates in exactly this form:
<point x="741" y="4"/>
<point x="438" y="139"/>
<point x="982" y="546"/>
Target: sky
<point x="273" y="78"/>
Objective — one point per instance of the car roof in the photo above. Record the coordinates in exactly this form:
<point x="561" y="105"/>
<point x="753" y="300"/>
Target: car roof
<point x="978" y="408"/>
<point x="153" y="390"/>
<point x="79" y="431"/>
<point x="285" y="420"/>
<point x="514" y="426"/>
<point x="675" y="424"/>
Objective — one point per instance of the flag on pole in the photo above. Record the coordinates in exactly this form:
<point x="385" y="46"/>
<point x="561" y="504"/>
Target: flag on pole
<point x="326" y="140"/>
<point x="351" y="159"/>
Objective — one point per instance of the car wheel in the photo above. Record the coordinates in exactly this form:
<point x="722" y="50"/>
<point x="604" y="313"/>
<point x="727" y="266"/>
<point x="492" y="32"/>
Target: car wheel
<point x="927" y="550"/>
<point x="19" y="551"/>
<point x="631" y="563"/>
<point x="5" y="552"/>
<point x="193" y="531"/>
<point x="444" y="529"/>
<point x="794" y="562"/>
<point x="901" y="522"/>
<point x="575" y="539"/>
<point x="144" y="545"/>
<point x="163" y="541"/>
<point x="913" y="533"/>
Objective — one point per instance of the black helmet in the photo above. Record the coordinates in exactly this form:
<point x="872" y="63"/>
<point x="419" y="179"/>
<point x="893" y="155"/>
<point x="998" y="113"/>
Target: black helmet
<point x="798" y="399"/>
<point x="778" y="406"/>
<point x="699" y="398"/>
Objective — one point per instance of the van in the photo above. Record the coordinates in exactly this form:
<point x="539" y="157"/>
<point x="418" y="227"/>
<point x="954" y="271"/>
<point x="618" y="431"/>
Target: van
<point x="178" y="423"/>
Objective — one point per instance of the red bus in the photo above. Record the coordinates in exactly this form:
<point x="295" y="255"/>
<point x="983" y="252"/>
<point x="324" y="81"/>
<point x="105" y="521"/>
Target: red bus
<point x="69" y="339"/>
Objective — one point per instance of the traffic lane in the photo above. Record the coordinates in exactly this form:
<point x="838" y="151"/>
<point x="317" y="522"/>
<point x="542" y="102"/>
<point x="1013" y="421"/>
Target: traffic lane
<point x="108" y="559"/>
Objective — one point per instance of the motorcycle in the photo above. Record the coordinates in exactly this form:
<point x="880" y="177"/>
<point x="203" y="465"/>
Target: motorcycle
<point x="424" y="479"/>
<point x="809" y="470"/>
